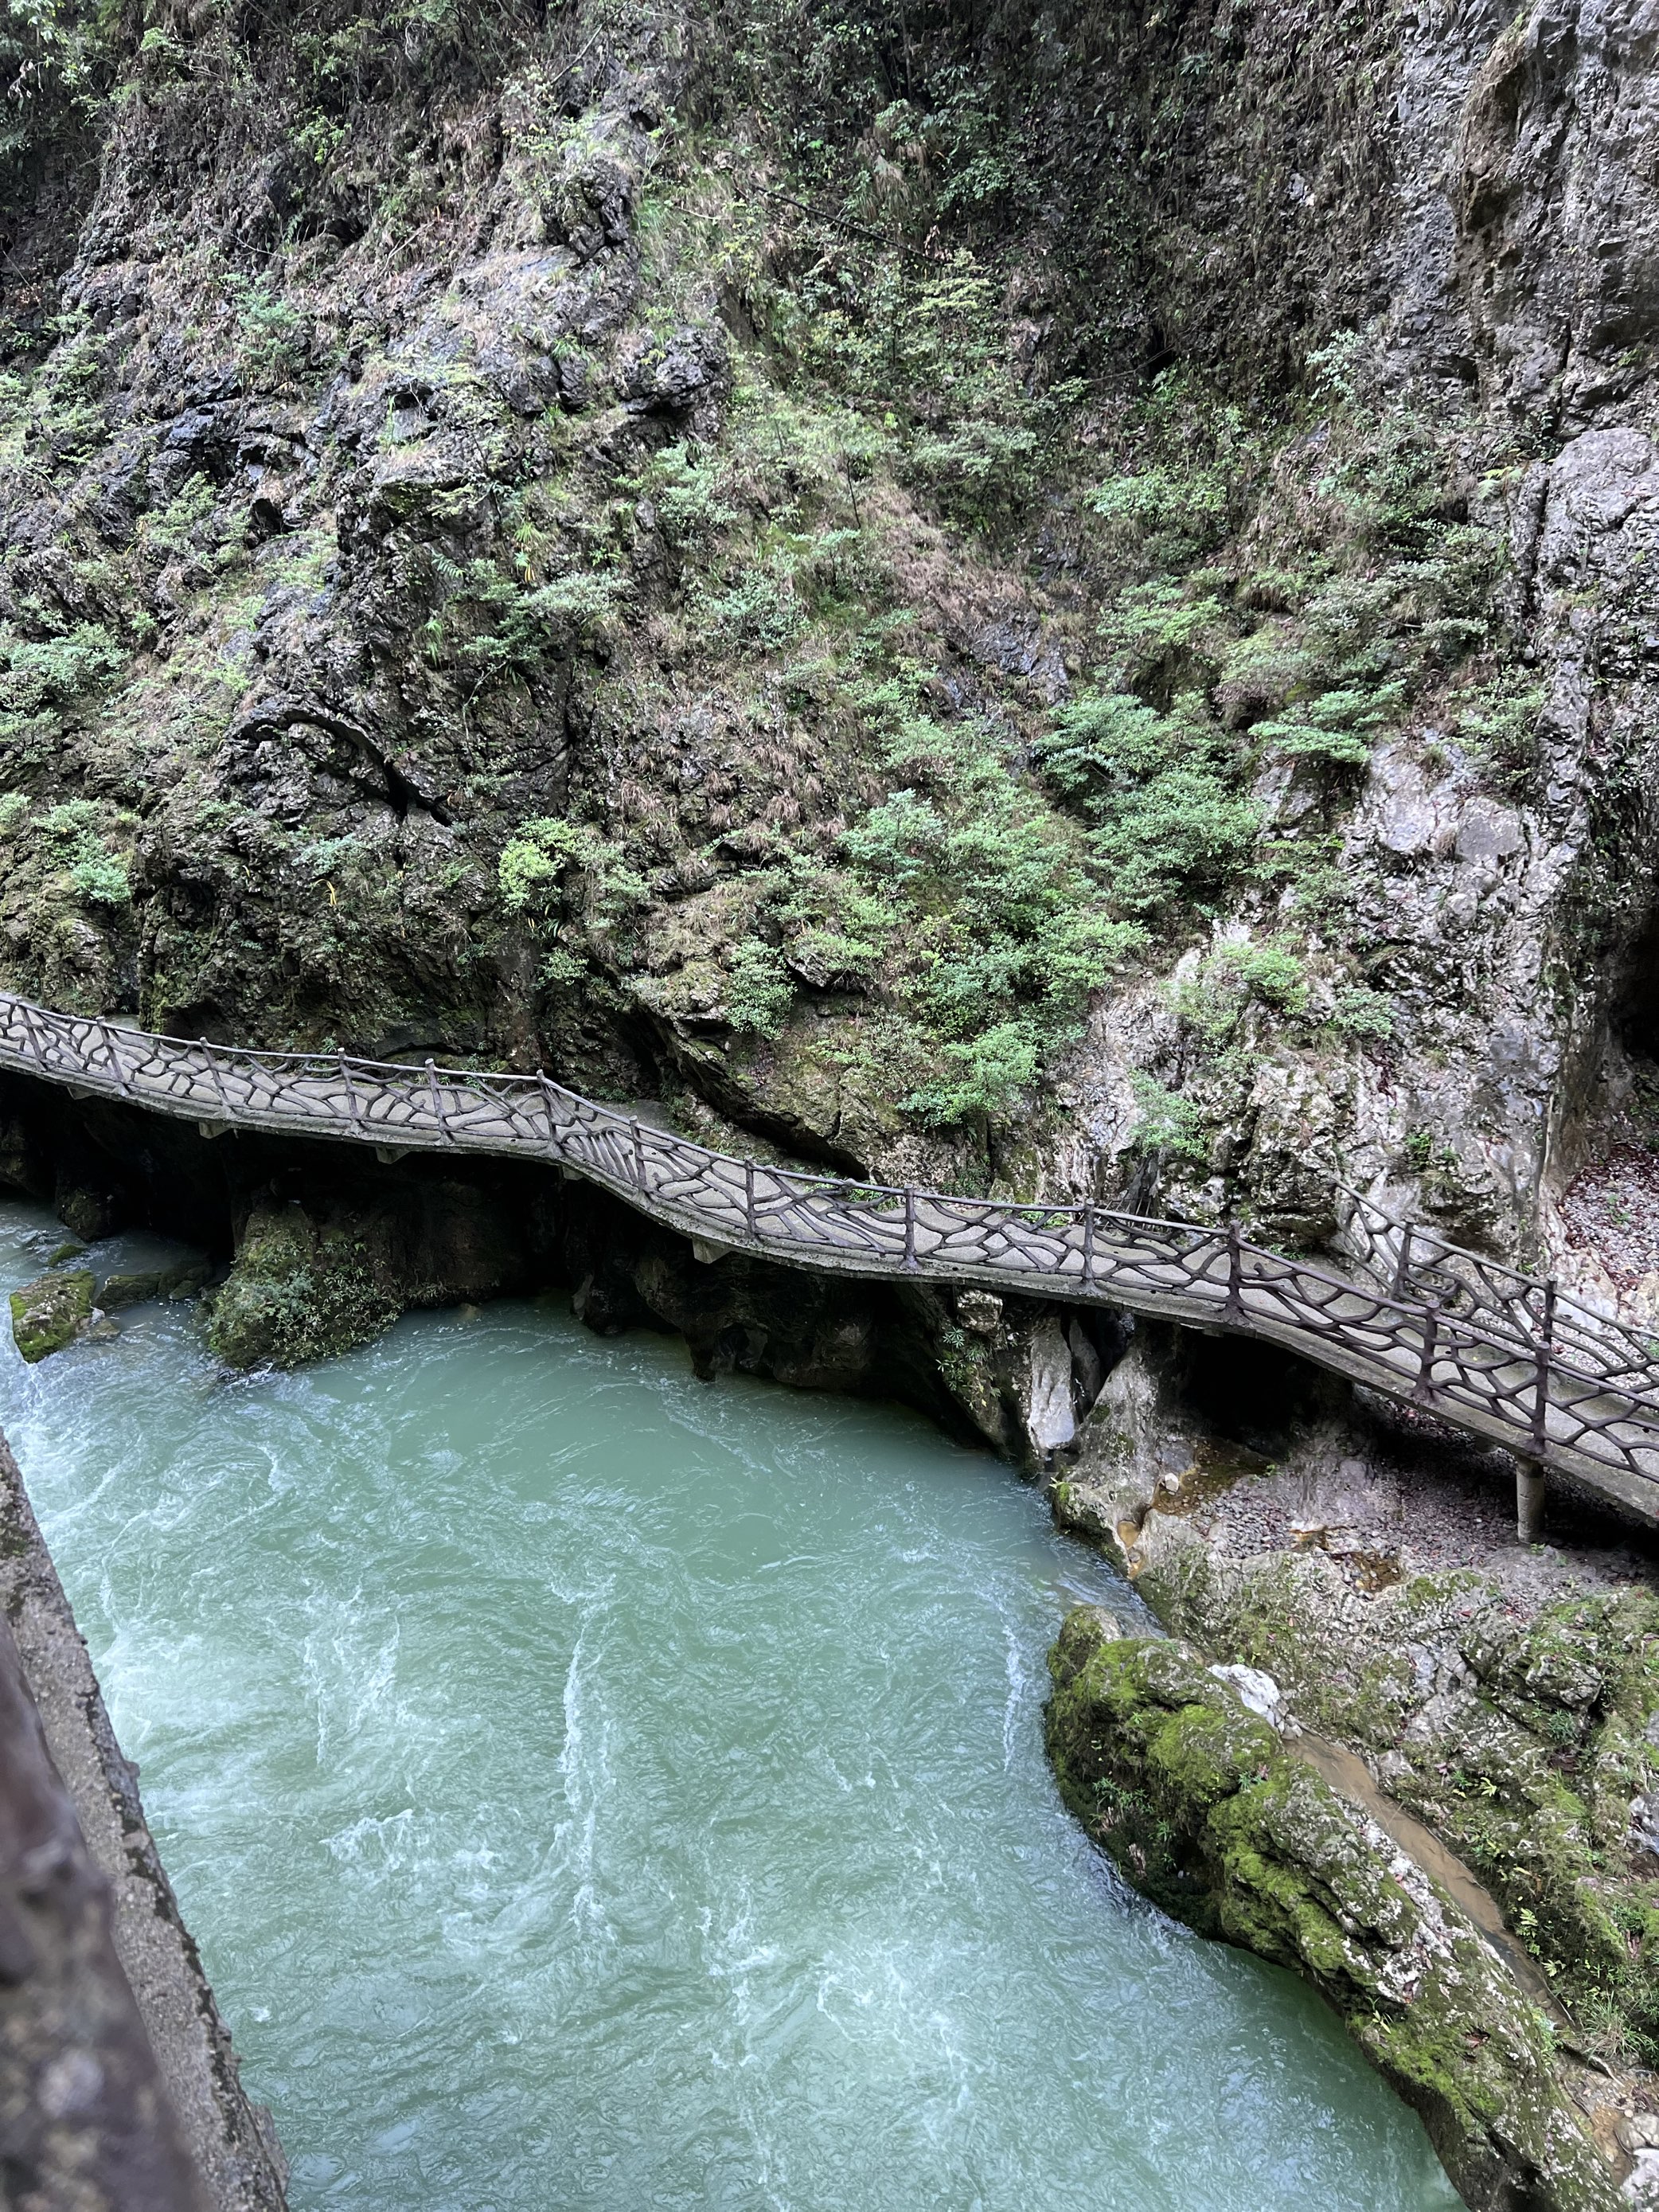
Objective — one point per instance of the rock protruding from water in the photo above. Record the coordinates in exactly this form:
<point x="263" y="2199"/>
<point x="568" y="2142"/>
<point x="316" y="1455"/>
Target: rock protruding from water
<point x="297" y="1292"/>
<point x="139" y="1287"/>
<point x="51" y="1311"/>
<point x="1208" y="1813"/>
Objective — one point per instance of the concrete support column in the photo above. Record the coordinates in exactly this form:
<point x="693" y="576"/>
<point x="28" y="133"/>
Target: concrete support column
<point x="1529" y="1500"/>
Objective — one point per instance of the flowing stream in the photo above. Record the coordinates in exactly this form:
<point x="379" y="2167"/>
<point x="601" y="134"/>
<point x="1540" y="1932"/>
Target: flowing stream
<point x="594" y="1790"/>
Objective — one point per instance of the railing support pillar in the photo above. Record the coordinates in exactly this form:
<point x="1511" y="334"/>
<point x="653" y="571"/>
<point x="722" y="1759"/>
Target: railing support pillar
<point x="218" y="1081"/>
<point x="749" y="1196"/>
<point x="351" y="1093"/>
<point x="1402" y="1266"/>
<point x="110" y="1053"/>
<point x="1529" y="1472"/>
<point x="910" y="1231"/>
<point x="1088" y="1247"/>
<point x="1529" y="1500"/>
<point x="1425" y="1390"/>
<point x="439" y="1116"/>
<point x="1234" y="1308"/>
<point x="1540" y="1395"/>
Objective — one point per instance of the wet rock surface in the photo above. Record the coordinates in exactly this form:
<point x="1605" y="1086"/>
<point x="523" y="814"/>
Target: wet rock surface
<point x="1365" y="1567"/>
<point x="51" y="1311"/>
<point x="84" y="2120"/>
<point x="55" y="2143"/>
<point x="1199" y="1803"/>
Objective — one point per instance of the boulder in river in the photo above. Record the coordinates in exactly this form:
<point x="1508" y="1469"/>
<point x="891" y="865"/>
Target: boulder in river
<point x="140" y="1287"/>
<point x="51" y="1311"/>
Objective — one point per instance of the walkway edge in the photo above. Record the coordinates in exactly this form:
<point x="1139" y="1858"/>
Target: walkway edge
<point x="1499" y="1354"/>
<point x="232" y="2141"/>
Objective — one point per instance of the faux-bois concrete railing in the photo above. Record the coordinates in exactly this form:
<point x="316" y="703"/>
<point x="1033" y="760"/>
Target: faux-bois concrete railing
<point x="1495" y="1353"/>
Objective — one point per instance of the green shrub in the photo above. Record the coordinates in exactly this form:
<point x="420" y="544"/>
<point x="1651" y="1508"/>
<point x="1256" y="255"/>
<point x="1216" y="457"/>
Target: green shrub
<point x="533" y="863"/>
<point x="554" y="867"/>
<point x="1166" y="1122"/>
<point x="922" y="347"/>
<point x="982" y="1075"/>
<point x="1368" y="1015"/>
<point x="1161" y="790"/>
<point x="1500" y="725"/>
<point x="94" y="873"/>
<point x="269" y="333"/>
<point x="1191" y="461"/>
<point x="687" y="493"/>
<point x="37" y="674"/>
<point x="759" y="611"/>
<point x="1213" y="1000"/>
<point x="101" y="879"/>
<point x="1338" y="728"/>
<point x="492" y="626"/>
<point x="758" y="991"/>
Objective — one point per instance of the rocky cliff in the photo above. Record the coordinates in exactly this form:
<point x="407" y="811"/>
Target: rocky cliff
<point x="1034" y="611"/>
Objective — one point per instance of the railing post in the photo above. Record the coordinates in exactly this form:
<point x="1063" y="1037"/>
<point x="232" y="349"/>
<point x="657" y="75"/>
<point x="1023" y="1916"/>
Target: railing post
<point x="1088" y="1247"/>
<point x="749" y="1196"/>
<point x="218" y="1079"/>
<point x="114" y="1059"/>
<point x="351" y="1095"/>
<point x="1425" y="1390"/>
<point x="909" y="1230"/>
<point x="1529" y="1472"/>
<point x="448" y="1134"/>
<point x="1234" y="1306"/>
<point x="639" y="1154"/>
<point x="1540" y="1394"/>
<point x="1402" y="1266"/>
<point x="547" y="1104"/>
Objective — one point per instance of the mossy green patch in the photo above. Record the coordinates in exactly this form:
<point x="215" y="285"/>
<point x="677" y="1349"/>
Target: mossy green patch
<point x="1208" y="1813"/>
<point x="296" y="1294"/>
<point x="48" y="1313"/>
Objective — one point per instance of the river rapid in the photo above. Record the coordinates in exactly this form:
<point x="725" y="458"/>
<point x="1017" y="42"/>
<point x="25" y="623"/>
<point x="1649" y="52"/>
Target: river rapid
<point x="592" y="1790"/>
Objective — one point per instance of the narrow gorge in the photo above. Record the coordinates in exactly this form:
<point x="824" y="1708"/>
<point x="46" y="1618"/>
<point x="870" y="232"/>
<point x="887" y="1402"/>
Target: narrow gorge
<point x="1054" y="610"/>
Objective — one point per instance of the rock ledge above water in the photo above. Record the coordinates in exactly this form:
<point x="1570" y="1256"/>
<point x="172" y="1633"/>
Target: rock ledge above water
<point x="1207" y="1812"/>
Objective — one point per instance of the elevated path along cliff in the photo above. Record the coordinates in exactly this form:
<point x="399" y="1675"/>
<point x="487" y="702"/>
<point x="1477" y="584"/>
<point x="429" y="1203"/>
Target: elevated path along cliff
<point x="1495" y="1353"/>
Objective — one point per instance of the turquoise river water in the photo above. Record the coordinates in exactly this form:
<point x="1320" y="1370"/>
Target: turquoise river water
<point x="593" y="1790"/>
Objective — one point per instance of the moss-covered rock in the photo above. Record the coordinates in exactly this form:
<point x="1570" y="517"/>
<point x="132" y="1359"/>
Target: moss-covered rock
<point x="296" y="1293"/>
<point x="1530" y="1744"/>
<point x="50" y="1312"/>
<point x="1206" y="1811"/>
<point x="138" y="1288"/>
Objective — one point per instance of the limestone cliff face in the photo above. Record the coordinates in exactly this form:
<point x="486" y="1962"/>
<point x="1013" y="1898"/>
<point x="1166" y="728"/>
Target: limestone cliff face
<point x="1510" y="286"/>
<point x="1064" y="611"/>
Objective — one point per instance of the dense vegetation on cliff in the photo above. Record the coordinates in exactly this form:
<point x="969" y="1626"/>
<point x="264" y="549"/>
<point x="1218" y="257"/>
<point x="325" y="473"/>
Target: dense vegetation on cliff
<point x="845" y="567"/>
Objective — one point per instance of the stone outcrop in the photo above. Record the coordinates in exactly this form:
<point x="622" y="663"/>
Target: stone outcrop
<point x="85" y="2123"/>
<point x="51" y="1311"/>
<point x="1499" y="1701"/>
<point x="1202" y="1806"/>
